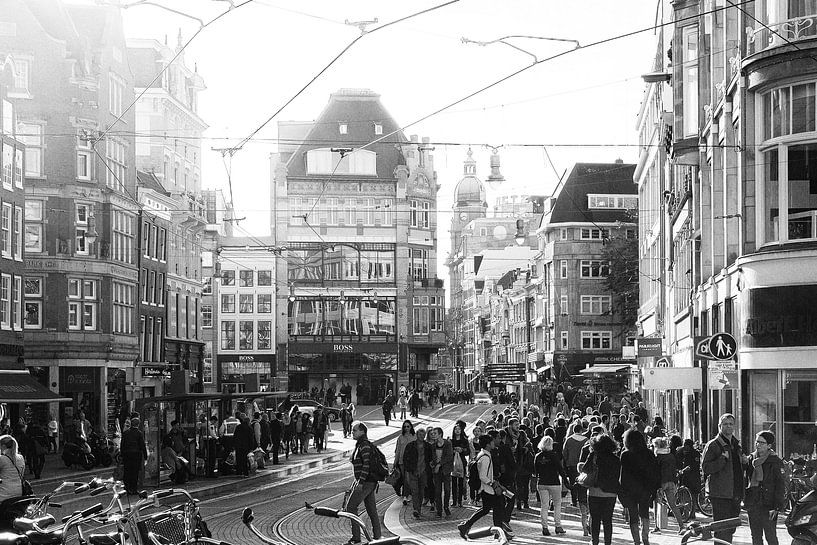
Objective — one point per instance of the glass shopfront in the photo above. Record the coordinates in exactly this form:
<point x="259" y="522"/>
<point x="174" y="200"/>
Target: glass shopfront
<point x="321" y="365"/>
<point x="357" y="317"/>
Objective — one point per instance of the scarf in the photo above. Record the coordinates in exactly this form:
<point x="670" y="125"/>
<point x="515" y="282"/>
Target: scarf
<point x="757" y="465"/>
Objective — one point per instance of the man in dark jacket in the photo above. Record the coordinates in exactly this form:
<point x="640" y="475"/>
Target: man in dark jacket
<point x="723" y="462"/>
<point x="134" y="453"/>
<point x="276" y="429"/>
<point x="441" y="467"/>
<point x="243" y="440"/>
<point x="417" y="466"/>
<point x="388" y="408"/>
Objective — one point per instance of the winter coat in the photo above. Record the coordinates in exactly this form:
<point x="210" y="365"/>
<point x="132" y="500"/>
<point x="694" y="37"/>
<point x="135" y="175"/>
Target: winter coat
<point x="410" y="457"/>
<point x="640" y="477"/>
<point x="772" y="489"/>
<point x="720" y="472"/>
<point x="548" y="467"/>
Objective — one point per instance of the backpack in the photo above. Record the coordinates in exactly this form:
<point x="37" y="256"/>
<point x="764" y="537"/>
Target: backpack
<point x="473" y="474"/>
<point x="379" y="467"/>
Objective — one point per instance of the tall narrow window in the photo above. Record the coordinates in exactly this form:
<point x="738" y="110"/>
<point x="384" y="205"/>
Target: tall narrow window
<point x="32" y="136"/>
<point x="689" y="52"/>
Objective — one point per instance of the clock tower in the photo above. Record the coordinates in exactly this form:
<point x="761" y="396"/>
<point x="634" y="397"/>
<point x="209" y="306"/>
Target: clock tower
<point x="469" y="201"/>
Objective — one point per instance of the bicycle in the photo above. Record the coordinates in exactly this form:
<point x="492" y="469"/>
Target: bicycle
<point x="683" y="500"/>
<point x="704" y="532"/>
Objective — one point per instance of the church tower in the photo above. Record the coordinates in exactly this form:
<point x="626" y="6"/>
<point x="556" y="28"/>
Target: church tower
<point x="470" y="201"/>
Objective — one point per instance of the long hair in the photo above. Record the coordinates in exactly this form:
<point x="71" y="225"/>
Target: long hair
<point x="410" y="425"/>
<point x="603" y="444"/>
<point x="9" y="442"/>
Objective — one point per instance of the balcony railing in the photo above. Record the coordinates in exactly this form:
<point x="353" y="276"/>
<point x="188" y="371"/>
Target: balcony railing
<point x="777" y="34"/>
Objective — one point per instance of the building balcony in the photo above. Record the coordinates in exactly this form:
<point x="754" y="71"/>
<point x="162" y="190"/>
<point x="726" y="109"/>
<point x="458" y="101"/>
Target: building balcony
<point x="795" y="29"/>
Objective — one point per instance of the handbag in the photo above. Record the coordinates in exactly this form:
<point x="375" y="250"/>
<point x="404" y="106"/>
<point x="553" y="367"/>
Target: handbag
<point x="25" y="485"/>
<point x="458" y="470"/>
<point x="394" y="477"/>
<point x="589" y="475"/>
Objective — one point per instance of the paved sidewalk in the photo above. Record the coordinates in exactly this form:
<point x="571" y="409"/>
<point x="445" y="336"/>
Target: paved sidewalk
<point x="338" y="448"/>
<point x="528" y="529"/>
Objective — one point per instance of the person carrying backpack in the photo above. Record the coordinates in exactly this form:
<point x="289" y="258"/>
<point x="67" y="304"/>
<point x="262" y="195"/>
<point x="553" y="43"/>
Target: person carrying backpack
<point x="364" y="488"/>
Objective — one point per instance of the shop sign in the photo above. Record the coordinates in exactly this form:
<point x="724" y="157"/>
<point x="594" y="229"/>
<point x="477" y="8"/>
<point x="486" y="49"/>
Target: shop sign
<point x="340" y="348"/>
<point x="80" y="379"/>
<point x="649" y="347"/>
<point x="155" y="371"/>
<point x="780" y="316"/>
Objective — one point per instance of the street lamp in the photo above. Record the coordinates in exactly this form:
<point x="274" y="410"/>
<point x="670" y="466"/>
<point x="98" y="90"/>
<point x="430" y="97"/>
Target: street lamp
<point x="91" y="235"/>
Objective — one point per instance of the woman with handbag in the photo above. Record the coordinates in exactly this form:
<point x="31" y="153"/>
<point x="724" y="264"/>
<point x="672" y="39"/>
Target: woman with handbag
<point x="766" y="493"/>
<point x="462" y="450"/>
<point x="639" y="481"/>
<point x="602" y="469"/>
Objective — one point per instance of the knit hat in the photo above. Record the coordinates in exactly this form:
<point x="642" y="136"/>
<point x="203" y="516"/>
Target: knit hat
<point x="768" y="437"/>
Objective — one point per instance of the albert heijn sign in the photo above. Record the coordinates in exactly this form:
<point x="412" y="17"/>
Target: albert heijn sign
<point x="720" y="347"/>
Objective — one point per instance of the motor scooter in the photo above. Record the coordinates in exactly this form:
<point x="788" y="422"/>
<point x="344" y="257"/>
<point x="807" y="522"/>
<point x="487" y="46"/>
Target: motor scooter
<point x="802" y="519"/>
<point x="78" y="453"/>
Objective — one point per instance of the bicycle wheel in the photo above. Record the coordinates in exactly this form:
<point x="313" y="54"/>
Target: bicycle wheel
<point x="704" y="504"/>
<point x="683" y="499"/>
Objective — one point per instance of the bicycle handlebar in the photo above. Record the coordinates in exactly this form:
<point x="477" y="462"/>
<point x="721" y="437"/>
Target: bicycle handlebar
<point x="703" y="532"/>
<point x="336" y="513"/>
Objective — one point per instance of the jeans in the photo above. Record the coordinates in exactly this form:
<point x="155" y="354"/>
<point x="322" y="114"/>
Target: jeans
<point x="276" y="446"/>
<point x="601" y="513"/>
<point x="547" y="493"/>
<point x="490" y="502"/>
<point x="760" y="524"/>
<point x="209" y="455"/>
<point x="522" y="490"/>
<point x="402" y="413"/>
<point x="669" y="490"/>
<point x="416" y="485"/>
<point x="132" y="462"/>
<point x="723" y="508"/>
<point x="458" y="489"/>
<point x="509" y="503"/>
<point x="242" y="464"/>
<point x="319" y="436"/>
<point x="442" y="482"/>
<point x="364" y="492"/>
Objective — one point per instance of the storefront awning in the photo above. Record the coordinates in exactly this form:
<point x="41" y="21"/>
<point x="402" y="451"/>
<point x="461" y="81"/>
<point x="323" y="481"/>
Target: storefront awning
<point x="21" y="387"/>
<point x="612" y="369"/>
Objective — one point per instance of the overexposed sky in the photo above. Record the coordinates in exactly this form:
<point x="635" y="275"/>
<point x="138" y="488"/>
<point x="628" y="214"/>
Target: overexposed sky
<point x="256" y="58"/>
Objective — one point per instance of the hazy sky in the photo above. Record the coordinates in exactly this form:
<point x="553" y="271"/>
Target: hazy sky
<point x="257" y="57"/>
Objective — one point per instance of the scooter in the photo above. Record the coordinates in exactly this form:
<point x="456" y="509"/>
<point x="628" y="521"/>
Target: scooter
<point x="78" y="453"/>
<point x="101" y="449"/>
<point x="802" y="520"/>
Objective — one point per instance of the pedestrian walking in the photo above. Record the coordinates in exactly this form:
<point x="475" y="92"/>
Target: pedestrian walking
<point x="38" y="440"/>
<point x="134" y="453"/>
<point x="12" y="465"/>
<point x="505" y="460"/>
<point x="276" y="431"/>
<point x="243" y="441"/>
<point x="441" y="467"/>
<point x="489" y="489"/>
<point x="320" y="427"/>
<point x="639" y="480"/>
<point x="475" y="449"/>
<point x="602" y="495"/>
<point x="365" y="485"/>
<point x="402" y="403"/>
<point x="462" y="450"/>
<point x="525" y="454"/>
<point x="346" y="419"/>
<point x="406" y="436"/>
<point x="388" y="408"/>
<point x="265" y="439"/>
<point x="689" y="460"/>
<point x="668" y="470"/>
<point x="53" y="433"/>
<point x="550" y="474"/>
<point x="417" y="464"/>
<point x="210" y="445"/>
<point x="766" y="493"/>
<point x="571" y="450"/>
<point x="723" y="462"/>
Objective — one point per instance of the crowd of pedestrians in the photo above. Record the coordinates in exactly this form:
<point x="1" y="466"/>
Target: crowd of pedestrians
<point x="589" y="456"/>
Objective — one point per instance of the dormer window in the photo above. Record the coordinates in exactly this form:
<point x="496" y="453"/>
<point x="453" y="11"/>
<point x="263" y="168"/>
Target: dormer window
<point x="378" y="128"/>
<point x="343" y="128"/>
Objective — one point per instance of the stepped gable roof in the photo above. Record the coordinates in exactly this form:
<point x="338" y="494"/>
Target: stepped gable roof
<point x="588" y="178"/>
<point x="359" y="109"/>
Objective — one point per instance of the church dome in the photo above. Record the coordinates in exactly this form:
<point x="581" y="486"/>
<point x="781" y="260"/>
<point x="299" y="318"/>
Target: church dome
<point x="469" y="189"/>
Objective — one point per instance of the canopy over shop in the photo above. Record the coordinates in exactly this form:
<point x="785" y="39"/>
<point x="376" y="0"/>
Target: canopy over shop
<point x="18" y="389"/>
<point x="612" y="379"/>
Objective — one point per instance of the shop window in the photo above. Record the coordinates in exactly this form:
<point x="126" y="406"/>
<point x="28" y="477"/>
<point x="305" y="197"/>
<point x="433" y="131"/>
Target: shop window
<point x="245" y="279"/>
<point x="228" y="278"/>
<point x="763" y="399"/>
<point x="799" y="412"/>
<point x="228" y="335"/>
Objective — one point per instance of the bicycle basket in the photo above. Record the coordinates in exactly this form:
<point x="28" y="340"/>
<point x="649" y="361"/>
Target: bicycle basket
<point x="169" y="525"/>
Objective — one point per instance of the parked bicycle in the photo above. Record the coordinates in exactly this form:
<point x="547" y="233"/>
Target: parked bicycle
<point x="704" y="532"/>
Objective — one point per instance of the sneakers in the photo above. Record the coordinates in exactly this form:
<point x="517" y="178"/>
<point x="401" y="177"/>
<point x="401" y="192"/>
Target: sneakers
<point x="463" y="530"/>
<point x="545" y="531"/>
<point x="560" y="530"/>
